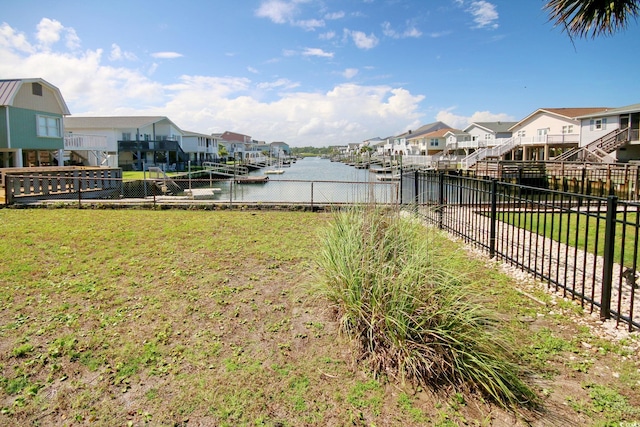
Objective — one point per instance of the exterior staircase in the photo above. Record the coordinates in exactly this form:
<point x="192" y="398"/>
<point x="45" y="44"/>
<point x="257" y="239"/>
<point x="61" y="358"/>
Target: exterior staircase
<point x="599" y="150"/>
<point x="495" y="152"/>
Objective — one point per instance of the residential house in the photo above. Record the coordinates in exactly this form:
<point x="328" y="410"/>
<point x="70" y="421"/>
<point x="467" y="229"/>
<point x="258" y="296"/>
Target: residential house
<point x="200" y="147"/>
<point x="235" y="144"/>
<point x="398" y="145"/>
<point x="31" y="123"/>
<point x="138" y="140"/>
<point x="612" y="132"/>
<point x="279" y="149"/>
<point x="430" y="143"/>
<point x="548" y="132"/>
<point x="486" y="134"/>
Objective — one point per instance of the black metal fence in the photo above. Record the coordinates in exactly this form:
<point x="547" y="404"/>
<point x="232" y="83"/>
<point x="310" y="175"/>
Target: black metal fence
<point x="583" y="246"/>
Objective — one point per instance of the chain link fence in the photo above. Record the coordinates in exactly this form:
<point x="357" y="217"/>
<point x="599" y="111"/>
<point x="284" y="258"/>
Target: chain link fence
<point x="98" y="187"/>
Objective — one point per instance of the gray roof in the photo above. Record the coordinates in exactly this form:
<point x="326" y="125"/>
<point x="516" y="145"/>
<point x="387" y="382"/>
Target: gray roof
<point x="426" y="129"/>
<point x="633" y="108"/>
<point x="115" y="122"/>
<point x="497" y="127"/>
<point x="10" y="87"/>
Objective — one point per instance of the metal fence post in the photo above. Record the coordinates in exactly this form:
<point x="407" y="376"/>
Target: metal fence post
<point x="416" y="187"/>
<point x="80" y="191"/>
<point x="311" y="196"/>
<point x="609" y="248"/>
<point x="494" y="214"/>
<point x="440" y="198"/>
<point x="8" y="181"/>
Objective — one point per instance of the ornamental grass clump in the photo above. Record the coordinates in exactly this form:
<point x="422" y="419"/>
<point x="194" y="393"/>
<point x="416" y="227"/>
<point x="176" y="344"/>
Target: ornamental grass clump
<point x="410" y="315"/>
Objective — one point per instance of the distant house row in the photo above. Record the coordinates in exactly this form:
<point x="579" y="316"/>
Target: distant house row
<point x="36" y="130"/>
<point x="595" y="134"/>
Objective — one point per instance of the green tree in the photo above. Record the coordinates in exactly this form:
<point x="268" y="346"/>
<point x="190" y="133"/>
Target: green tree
<point x="222" y="151"/>
<point x="582" y="18"/>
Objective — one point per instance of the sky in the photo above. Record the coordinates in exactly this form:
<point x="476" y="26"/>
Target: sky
<point x="314" y="72"/>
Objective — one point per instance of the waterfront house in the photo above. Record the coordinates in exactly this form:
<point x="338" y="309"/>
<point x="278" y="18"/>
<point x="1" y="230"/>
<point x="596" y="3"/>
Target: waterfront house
<point x="548" y="132"/>
<point x="138" y="140"/>
<point x="486" y="134"/>
<point x="200" y="147"/>
<point x="279" y="149"/>
<point x="31" y="124"/>
<point x="611" y="134"/>
<point x="399" y="145"/>
<point x="428" y="144"/>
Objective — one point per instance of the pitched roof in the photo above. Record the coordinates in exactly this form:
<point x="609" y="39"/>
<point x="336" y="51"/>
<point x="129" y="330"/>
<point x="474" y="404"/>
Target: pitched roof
<point x="633" y="108"/>
<point x="424" y="129"/>
<point x="496" y="127"/>
<point x="572" y="113"/>
<point x="569" y="113"/>
<point x="439" y="133"/>
<point x="10" y="87"/>
<point x="113" y="122"/>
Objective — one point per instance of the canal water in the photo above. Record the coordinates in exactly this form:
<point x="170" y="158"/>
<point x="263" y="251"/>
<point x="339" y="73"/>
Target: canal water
<point x="312" y="180"/>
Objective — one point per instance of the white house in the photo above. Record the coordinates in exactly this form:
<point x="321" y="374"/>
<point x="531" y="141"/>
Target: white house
<point x="615" y="130"/>
<point x="399" y="145"/>
<point x="430" y="143"/>
<point x="200" y="147"/>
<point x="547" y="132"/>
<point x="132" y="141"/>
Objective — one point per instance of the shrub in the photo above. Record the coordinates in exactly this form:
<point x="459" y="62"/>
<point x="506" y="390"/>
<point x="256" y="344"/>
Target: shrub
<point x="408" y="313"/>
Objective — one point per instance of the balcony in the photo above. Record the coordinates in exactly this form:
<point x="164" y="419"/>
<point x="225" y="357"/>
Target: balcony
<point x="75" y="142"/>
<point x="164" y="145"/>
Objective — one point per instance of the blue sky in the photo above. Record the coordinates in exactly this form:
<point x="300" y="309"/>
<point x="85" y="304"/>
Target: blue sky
<point x="313" y="72"/>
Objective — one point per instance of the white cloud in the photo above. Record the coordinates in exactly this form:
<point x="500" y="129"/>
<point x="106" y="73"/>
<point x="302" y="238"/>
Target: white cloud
<point x="350" y="73"/>
<point x="309" y="24"/>
<point x="327" y="36"/>
<point x="166" y="55"/>
<point x="410" y="31"/>
<point x="485" y="14"/>
<point x="277" y="11"/>
<point x="334" y="15"/>
<point x="278" y="84"/>
<point x="252" y="70"/>
<point x="50" y="31"/>
<point x="275" y="110"/>
<point x="283" y="12"/>
<point x="460" y="122"/>
<point x="117" y="54"/>
<point x="10" y="39"/>
<point x="310" y="51"/>
<point x="361" y="40"/>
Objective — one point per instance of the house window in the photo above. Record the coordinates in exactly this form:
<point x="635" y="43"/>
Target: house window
<point x="598" y="124"/>
<point x="36" y="89"/>
<point x="567" y="129"/>
<point x="433" y="142"/>
<point x="49" y="126"/>
<point x="522" y="133"/>
<point x="126" y="136"/>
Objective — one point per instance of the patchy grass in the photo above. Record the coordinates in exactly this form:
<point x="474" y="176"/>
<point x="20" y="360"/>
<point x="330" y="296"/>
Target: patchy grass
<point x="208" y="318"/>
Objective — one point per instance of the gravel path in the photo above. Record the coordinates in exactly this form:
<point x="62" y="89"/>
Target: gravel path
<point x="568" y="271"/>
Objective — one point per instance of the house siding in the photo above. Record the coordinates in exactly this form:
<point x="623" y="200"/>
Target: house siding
<point x="23" y="130"/>
<point x="589" y="135"/>
<point x="45" y="103"/>
<point x="4" y="140"/>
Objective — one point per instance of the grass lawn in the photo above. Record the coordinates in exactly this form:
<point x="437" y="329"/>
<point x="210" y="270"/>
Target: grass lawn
<point x="143" y="317"/>
<point x="581" y="231"/>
